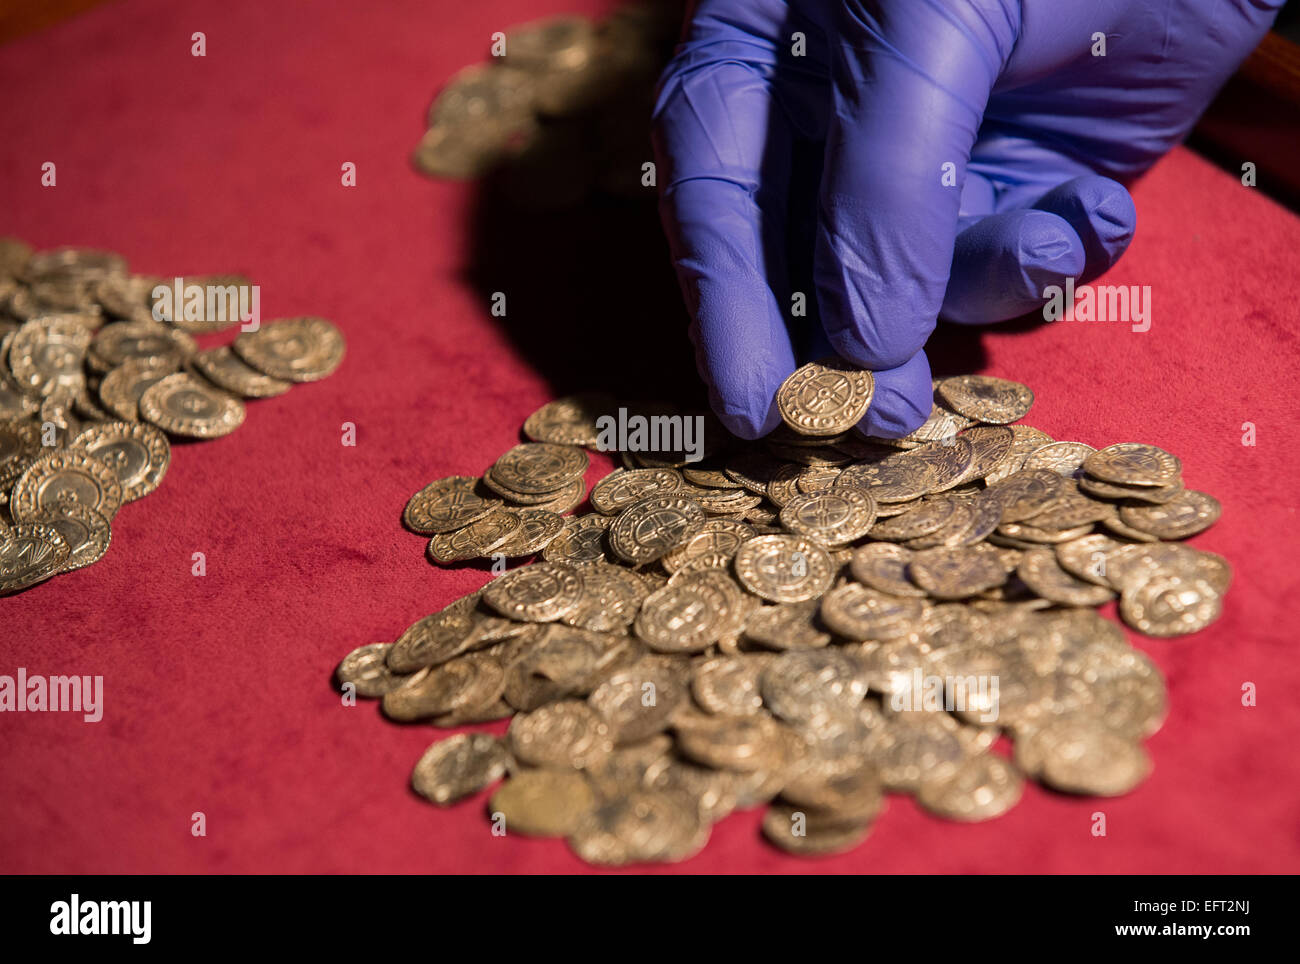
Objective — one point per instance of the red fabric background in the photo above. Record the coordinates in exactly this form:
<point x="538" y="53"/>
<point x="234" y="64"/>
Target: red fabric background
<point x="218" y="695"/>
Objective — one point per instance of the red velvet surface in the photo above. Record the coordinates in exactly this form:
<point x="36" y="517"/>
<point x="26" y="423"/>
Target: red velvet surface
<point x="217" y="689"/>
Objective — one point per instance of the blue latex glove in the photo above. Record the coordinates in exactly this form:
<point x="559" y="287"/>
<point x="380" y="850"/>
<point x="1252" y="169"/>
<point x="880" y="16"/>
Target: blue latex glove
<point x="1038" y="130"/>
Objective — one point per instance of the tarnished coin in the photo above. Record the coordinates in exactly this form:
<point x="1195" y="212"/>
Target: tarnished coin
<point x="65" y="476"/>
<point x="1128" y="565"/>
<point x="857" y="612"/>
<point x="229" y="372"/>
<point x="896" y="479"/>
<point x="994" y="401"/>
<point x="1133" y="463"/>
<point x="743" y="743"/>
<point x="59" y="417"/>
<point x="1087" y="557"/>
<point x="784" y="568"/>
<point x="1115" y="526"/>
<point x="74" y="262"/>
<point x="14" y="402"/>
<point x="14" y="255"/>
<point x="1063" y="458"/>
<point x="138" y="454"/>
<point x="460" y="766"/>
<point x="1078" y="754"/>
<point x="87" y="533"/>
<point x="564" y="42"/>
<point x="1024" y="440"/>
<point x="1072" y="508"/>
<point x="834" y="517"/>
<point x="562" y="500"/>
<point x="121" y="389"/>
<point x="293" y="349"/>
<point x="568" y="734"/>
<point x="883" y="566"/>
<point x="467" y="151"/>
<point x="854" y="794"/>
<point x="535" y="468"/>
<point x="1027" y="492"/>
<point x="825" y="397"/>
<point x="1151" y="494"/>
<point x="622" y="487"/>
<point x="708" y="478"/>
<point x="956" y="573"/>
<point x="1184" y="515"/>
<point x="434" y="639"/>
<point x="366" y="669"/>
<point x="537" y="527"/>
<point x="540" y="593"/>
<point x="784" y="486"/>
<point x="799" y="686"/>
<point x="20" y="444"/>
<point x="445" y="688"/>
<point x="1167" y="605"/>
<point x="981" y="788"/>
<point x="990" y="445"/>
<point x="639" y="701"/>
<point x="611" y="598"/>
<point x="477" y="539"/>
<point x="713" y="537"/>
<point x="184" y="405"/>
<point x="732" y="504"/>
<point x="124" y="341"/>
<point x="648" y="529"/>
<point x="786" y="626"/>
<point x="571" y="420"/>
<point x="689" y="615"/>
<point x="642" y="826"/>
<point x="924" y="519"/>
<point x="728" y="685"/>
<point x="128" y="297"/>
<point x="544" y="803"/>
<point x="445" y="505"/>
<point x="952" y="461"/>
<point x="916" y="746"/>
<point x="809" y="834"/>
<point x="483" y="95"/>
<point x="581" y="542"/>
<point x="30" y="553"/>
<point x="227" y="301"/>
<point x="45" y="355"/>
<point x="1041" y="572"/>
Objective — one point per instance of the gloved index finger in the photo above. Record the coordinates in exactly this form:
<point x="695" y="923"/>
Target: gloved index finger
<point x="716" y="132"/>
<point x="911" y="82"/>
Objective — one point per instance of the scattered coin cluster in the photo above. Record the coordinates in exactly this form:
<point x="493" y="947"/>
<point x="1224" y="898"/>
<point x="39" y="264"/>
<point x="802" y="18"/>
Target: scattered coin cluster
<point x="809" y="622"/>
<point x="92" y="386"/>
<point x="562" y="107"/>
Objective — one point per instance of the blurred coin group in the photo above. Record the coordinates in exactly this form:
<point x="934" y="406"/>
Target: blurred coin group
<point x="810" y="622"/>
<point x="94" y="381"/>
<point x="561" y="110"/>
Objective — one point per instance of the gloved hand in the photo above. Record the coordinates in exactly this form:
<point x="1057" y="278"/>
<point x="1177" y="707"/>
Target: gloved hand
<point x="1009" y="98"/>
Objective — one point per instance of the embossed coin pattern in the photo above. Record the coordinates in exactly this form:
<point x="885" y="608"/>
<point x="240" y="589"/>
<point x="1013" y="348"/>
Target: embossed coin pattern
<point x="92" y="384"/>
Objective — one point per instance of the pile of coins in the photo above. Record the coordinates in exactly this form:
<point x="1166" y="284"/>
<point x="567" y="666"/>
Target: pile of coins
<point x="563" y="106"/>
<point x="808" y="622"/>
<point x="92" y="385"/>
